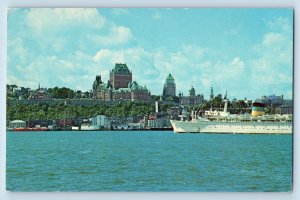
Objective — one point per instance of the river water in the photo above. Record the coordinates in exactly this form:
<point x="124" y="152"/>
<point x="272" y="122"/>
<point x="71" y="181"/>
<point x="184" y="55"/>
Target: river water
<point x="147" y="161"/>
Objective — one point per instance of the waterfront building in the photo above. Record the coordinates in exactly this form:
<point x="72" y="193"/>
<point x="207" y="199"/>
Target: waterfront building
<point x="120" y="86"/>
<point x="136" y="126"/>
<point x="17" y="124"/>
<point x="192" y="99"/>
<point x="133" y="119"/>
<point x="174" y="112"/>
<point x="158" y="121"/>
<point x="101" y="121"/>
<point x="163" y="122"/>
<point x="169" y="87"/>
<point x="67" y="122"/>
<point x="152" y="123"/>
<point x="119" y="123"/>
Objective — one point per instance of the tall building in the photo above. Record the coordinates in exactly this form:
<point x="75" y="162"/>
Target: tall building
<point x="169" y="87"/>
<point x="120" y="76"/>
<point x="120" y="86"/>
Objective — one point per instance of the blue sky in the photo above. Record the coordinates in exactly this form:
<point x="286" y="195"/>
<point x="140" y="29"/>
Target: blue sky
<point x="248" y="52"/>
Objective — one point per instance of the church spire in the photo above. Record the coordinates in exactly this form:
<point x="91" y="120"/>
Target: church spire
<point x="211" y="92"/>
<point x="225" y="97"/>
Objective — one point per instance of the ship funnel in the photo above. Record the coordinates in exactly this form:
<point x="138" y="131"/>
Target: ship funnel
<point x="258" y="109"/>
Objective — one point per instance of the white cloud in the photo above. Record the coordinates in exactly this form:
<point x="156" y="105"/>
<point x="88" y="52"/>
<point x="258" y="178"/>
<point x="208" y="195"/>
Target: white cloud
<point x="118" y="35"/>
<point x="18" y="50"/>
<point x="59" y="30"/>
<point x="57" y="49"/>
<point x="190" y="66"/>
<point x="75" y="70"/>
<point x="272" y="38"/>
<point x="285" y="78"/>
<point x="56" y="46"/>
<point x="280" y="24"/>
<point x="193" y="51"/>
<point x="102" y="54"/>
<point x="54" y="19"/>
<point x="271" y="69"/>
<point x="237" y="64"/>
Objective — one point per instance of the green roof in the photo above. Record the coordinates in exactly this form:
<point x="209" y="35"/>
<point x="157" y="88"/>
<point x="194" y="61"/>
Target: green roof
<point x="134" y="86"/>
<point x="121" y="69"/>
<point x="170" y="77"/>
<point x="192" y="91"/>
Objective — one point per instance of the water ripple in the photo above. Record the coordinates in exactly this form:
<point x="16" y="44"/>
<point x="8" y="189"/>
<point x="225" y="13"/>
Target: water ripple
<point x="148" y="161"/>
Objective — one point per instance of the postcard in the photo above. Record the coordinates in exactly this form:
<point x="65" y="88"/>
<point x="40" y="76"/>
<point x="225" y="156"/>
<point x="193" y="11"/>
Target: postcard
<point x="149" y="99"/>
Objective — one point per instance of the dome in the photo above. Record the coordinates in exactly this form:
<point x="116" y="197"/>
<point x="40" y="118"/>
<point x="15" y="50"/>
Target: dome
<point x="170" y="79"/>
<point x="192" y="91"/>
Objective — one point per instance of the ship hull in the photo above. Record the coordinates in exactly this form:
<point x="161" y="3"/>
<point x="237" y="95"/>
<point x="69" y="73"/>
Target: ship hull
<point x="232" y="127"/>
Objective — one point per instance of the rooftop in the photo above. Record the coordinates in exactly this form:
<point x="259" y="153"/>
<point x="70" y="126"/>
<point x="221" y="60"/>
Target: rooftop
<point x="134" y="86"/>
<point x="17" y="121"/>
<point x="121" y="69"/>
<point x="170" y="77"/>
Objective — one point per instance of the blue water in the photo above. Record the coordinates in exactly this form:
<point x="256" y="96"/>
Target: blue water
<point x="147" y="161"/>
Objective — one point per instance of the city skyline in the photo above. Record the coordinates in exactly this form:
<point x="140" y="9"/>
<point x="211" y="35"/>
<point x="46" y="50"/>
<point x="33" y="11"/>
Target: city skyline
<point x="238" y="50"/>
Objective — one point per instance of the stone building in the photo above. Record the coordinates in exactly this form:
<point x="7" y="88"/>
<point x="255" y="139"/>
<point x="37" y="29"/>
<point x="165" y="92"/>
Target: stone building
<point x="39" y="94"/>
<point x="169" y="87"/>
<point x="192" y="99"/>
<point x="120" y="86"/>
<point x="120" y="76"/>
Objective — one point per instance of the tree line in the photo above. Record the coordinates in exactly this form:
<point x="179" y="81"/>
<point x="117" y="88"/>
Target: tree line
<point x="43" y="111"/>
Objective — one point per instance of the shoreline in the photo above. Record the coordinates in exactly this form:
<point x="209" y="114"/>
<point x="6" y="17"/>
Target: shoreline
<point x="59" y="130"/>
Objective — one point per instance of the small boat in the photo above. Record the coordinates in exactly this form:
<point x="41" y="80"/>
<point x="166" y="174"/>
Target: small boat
<point x="89" y="127"/>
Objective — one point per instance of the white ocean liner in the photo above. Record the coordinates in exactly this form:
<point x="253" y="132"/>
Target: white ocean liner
<point x="226" y="123"/>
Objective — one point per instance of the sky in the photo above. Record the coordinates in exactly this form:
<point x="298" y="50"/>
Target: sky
<point x="246" y="52"/>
